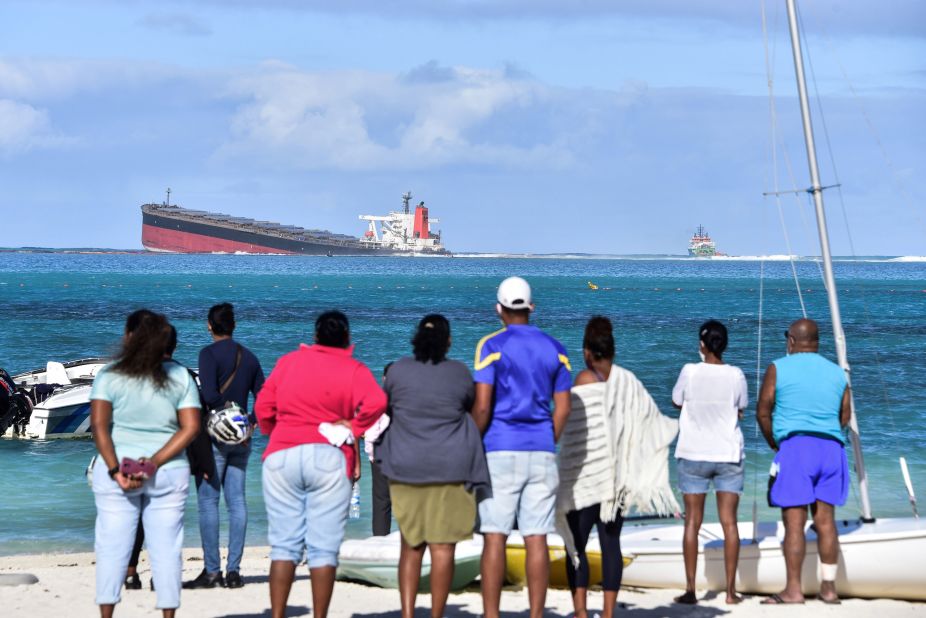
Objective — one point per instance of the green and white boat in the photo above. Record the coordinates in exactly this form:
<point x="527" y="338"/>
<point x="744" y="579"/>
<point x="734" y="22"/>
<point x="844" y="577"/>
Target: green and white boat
<point x="375" y="560"/>
<point x="701" y="244"/>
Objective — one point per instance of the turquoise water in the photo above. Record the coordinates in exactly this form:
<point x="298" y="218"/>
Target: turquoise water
<point x="63" y="306"/>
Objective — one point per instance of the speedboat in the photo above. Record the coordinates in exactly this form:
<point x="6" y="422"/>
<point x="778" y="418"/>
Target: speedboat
<point x="52" y="403"/>
<point x="375" y="560"/>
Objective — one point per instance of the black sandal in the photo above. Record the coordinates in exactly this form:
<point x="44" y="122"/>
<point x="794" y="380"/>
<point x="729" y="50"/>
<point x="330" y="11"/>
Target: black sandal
<point x="776" y="599"/>
<point x="132" y="582"/>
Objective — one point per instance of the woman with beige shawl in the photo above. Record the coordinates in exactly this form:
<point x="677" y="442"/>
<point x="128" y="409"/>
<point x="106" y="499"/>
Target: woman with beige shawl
<point x="614" y="455"/>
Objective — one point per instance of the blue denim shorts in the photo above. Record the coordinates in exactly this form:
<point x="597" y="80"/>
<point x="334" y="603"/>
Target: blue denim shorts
<point x="524" y="485"/>
<point x="307" y="494"/>
<point x="694" y="477"/>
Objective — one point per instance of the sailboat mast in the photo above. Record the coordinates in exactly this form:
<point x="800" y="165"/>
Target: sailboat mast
<point x="816" y="189"/>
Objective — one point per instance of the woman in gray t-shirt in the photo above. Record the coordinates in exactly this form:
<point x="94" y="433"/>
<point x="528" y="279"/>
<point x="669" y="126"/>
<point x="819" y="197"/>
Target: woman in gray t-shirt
<point x="432" y="455"/>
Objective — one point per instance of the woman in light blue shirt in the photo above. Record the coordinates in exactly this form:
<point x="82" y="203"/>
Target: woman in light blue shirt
<point x="146" y="409"/>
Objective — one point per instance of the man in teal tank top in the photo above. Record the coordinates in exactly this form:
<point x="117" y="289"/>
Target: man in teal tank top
<point x="803" y="406"/>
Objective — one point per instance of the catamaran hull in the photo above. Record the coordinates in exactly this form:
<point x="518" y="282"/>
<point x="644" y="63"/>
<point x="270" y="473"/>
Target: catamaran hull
<point x="375" y="560"/>
<point x="885" y="559"/>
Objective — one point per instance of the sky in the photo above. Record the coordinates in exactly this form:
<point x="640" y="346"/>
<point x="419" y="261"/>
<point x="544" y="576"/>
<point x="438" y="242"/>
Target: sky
<point x="527" y="126"/>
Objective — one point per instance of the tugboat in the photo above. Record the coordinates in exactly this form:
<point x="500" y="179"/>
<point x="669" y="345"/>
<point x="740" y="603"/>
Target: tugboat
<point x="701" y="244"/>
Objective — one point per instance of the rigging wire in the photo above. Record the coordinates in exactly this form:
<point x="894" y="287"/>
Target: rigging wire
<point x="895" y="176"/>
<point x="792" y="177"/>
<point x="800" y="21"/>
<point x="773" y="133"/>
<point x="845" y="218"/>
<point x="755" y="469"/>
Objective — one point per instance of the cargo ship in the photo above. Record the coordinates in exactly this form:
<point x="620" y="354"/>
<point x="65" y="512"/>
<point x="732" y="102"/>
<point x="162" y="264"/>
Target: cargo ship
<point x="701" y="244"/>
<point x="171" y="228"/>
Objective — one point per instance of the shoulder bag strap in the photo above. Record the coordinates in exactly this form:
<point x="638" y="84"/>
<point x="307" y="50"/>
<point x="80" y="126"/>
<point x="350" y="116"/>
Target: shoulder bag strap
<point x="233" y="373"/>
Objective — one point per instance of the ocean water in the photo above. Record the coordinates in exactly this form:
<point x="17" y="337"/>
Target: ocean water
<point x="67" y="306"/>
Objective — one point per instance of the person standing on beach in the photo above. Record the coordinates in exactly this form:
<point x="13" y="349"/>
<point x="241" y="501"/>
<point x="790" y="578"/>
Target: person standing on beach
<point x="316" y="402"/>
<point x="433" y="458"/>
<point x="519" y="370"/>
<point x="132" y="581"/>
<point x="803" y="406"/>
<point x="614" y="456"/>
<point x="712" y="397"/>
<point x="381" y="503"/>
<point x="144" y="411"/>
<point x="228" y="372"/>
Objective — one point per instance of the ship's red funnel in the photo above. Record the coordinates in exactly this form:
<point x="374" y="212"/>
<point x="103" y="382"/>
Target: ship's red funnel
<point x="422" y="229"/>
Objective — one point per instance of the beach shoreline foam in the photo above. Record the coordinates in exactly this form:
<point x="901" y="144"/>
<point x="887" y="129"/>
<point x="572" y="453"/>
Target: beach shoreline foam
<point x="66" y="588"/>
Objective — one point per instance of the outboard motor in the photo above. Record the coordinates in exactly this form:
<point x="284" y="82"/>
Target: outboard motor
<point x="16" y="406"/>
<point x="22" y="406"/>
<point x="7" y="391"/>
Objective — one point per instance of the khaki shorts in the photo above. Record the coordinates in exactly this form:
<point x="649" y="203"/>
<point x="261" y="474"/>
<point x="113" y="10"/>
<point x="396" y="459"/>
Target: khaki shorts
<point x="444" y="513"/>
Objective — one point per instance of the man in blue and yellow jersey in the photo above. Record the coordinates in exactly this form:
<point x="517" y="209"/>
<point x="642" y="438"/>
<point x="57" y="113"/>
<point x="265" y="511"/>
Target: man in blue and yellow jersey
<point x="519" y="370"/>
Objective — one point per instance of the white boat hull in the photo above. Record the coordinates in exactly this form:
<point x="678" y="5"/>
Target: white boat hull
<point x="375" y="560"/>
<point x="885" y="559"/>
<point x="65" y="413"/>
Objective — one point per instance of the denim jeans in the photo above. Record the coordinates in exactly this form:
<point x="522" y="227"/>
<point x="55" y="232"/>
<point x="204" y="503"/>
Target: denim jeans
<point x="231" y="463"/>
<point x="160" y="501"/>
<point x="307" y="494"/>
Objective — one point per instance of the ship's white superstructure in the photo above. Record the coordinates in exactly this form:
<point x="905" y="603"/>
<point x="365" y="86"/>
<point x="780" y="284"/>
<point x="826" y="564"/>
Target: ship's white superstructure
<point x="403" y="230"/>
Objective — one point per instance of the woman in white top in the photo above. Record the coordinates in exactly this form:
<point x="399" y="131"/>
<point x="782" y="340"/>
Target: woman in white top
<point x="712" y="397"/>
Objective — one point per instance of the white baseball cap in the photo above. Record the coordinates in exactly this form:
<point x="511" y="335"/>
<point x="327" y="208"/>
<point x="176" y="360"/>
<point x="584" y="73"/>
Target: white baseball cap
<point x="514" y="293"/>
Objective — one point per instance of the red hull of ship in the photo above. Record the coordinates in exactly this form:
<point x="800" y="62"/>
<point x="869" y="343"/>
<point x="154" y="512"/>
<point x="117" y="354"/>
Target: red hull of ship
<point x="175" y="241"/>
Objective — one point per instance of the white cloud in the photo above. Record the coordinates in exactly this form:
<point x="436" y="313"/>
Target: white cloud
<point x="23" y="127"/>
<point x="36" y="78"/>
<point x="364" y="120"/>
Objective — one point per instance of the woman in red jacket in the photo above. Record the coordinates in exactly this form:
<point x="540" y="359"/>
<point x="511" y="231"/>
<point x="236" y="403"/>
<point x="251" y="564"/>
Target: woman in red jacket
<point x="306" y="477"/>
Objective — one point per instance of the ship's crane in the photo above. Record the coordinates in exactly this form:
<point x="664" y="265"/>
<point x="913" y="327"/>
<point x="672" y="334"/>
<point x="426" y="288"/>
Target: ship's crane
<point x="372" y="231"/>
<point x="406" y="198"/>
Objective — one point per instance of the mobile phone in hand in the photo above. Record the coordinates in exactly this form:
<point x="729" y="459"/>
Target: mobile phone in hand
<point x="141" y="469"/>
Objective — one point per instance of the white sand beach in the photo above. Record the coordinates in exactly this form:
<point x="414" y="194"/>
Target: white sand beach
<point x="66" y="587"/>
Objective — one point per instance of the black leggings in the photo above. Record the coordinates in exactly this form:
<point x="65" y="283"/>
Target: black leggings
<point x="139" y="539"/>
<point x="609" y="536"/>
<point x="382" y="504"/>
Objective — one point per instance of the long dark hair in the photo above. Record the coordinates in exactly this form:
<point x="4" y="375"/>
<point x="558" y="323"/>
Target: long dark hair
<point x="147" y="339"/>
<point x="713" y="335"/>
<point x="432" y="339"/>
